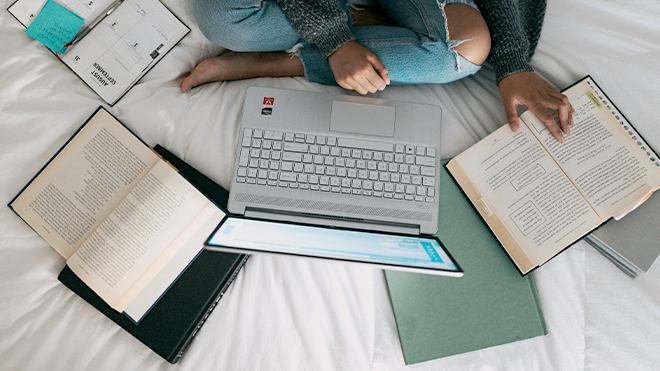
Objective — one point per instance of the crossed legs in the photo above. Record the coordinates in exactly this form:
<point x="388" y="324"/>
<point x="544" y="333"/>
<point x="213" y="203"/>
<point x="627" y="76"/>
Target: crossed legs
<point x="463" y="23"/>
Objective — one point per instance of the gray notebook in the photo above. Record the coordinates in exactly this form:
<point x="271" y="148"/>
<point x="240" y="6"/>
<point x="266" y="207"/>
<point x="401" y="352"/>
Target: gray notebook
<point x="632" y="243"/>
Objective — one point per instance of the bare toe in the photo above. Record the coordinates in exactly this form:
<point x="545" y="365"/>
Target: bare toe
<point x="187" y="83"/>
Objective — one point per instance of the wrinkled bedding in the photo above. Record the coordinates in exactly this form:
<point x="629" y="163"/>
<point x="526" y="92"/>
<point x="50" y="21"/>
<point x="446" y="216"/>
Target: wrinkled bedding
<point x="297" y="314"/>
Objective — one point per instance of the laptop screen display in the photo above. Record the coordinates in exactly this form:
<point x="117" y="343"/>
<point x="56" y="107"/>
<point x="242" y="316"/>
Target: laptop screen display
<point x="369" y="247"/>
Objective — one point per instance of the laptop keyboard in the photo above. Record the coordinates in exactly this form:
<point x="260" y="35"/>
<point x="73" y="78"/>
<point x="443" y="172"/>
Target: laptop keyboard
<point x="334" y="164"/>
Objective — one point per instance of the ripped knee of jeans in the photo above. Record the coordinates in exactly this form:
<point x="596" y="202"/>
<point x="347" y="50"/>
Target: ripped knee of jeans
<point x="294" y="51"/>
<point x="473" y="30"/>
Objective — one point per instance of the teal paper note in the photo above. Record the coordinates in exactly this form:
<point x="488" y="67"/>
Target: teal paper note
<point x="55" y="26"/>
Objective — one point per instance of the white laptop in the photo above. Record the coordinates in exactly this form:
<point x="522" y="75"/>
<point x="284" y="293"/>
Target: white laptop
<point x="338" y="160"/>
<point x="339" y="177"/>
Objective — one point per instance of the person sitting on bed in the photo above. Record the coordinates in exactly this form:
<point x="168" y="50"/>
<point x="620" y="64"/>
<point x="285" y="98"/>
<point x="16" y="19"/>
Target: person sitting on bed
<point x="407" y="42"/>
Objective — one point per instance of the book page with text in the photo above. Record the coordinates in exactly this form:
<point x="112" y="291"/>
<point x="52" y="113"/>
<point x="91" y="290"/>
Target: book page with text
<point x="599" y="157"/>
<point x="138" y="230"/>
<point x="123" y="46"/>
<point x="84" y="182"/>
<point x="523" y="186"/>
<point x="150" y="290"/>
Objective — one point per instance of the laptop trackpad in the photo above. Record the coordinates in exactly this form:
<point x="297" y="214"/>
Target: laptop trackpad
<point x="361" y="118"/>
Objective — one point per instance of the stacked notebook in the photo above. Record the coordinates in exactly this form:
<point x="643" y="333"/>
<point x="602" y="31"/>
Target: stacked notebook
<point x="632" y="242"/>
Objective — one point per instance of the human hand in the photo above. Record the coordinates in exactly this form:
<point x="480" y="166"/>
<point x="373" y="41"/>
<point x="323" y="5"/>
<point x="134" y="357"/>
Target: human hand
<point x="530" y="90"/>
<point x="357" y="68"/>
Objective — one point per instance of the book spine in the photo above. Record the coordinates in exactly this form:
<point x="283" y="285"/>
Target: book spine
<point x="619" y="260"/>
<point x="223" y="289"/>
<point x="537" y="302"/>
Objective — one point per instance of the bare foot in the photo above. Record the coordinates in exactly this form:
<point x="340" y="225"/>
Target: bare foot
<point x="237" y="66"/>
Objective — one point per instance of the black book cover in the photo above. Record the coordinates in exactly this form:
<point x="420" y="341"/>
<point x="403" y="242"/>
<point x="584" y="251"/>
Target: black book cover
<point x="169" y="327"/>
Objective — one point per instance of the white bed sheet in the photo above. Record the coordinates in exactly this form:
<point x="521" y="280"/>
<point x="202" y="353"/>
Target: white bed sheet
<point x="296" y="314"/>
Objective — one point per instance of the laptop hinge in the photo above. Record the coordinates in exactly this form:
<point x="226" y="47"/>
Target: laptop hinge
<point x="333" y="221"/>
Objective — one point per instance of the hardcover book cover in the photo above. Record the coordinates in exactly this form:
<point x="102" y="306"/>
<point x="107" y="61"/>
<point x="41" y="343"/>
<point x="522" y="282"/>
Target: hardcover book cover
<point x="490" y="305"/>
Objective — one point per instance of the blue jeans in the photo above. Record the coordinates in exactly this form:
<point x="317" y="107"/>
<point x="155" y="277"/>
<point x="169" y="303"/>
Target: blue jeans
<point x="417" y="52"/>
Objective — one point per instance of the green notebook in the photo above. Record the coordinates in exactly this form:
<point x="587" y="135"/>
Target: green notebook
<point x="491" y="305"/>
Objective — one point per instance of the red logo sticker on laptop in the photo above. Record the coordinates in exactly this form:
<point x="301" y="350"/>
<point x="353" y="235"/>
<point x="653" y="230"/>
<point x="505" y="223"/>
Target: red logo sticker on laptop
<point x="269" y="101"/>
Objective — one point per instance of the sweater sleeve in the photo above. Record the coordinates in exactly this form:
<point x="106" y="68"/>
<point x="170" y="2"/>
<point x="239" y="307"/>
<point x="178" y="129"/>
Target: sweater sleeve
<point x="515" y="27"/>
<point x="320" y="22"/>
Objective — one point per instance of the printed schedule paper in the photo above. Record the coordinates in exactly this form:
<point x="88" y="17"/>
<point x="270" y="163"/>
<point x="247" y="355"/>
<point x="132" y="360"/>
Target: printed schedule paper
<point x="121" y="48"/>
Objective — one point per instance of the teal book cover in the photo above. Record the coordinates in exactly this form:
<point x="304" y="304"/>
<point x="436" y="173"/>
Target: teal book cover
<point x="492" y="304"/>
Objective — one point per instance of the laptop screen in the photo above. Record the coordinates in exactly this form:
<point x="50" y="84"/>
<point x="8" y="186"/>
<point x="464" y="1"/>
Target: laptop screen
<point x="413" y="253"/>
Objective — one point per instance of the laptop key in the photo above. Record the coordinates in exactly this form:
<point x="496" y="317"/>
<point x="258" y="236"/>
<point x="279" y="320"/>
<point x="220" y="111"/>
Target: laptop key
<point x="296" y="147"/>
<point x="288" y="177"/>
<point x="274" y="135"/>
<point x="364" y="144"/>
<point x="291" y="156"/>
<point x="244" y="157"/>
<point x="427" y="171"/>
<point x="424" y="161"/>
<point x="429" y="182"/>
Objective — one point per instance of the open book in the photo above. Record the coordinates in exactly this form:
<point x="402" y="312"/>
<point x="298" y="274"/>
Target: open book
<point x="118" y="51"/>
<point x="124" y="219"/>
<point x="539" y="196"/>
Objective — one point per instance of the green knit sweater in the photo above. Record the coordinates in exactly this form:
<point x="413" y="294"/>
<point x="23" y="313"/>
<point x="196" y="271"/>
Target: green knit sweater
<point x="515" y="27"/>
